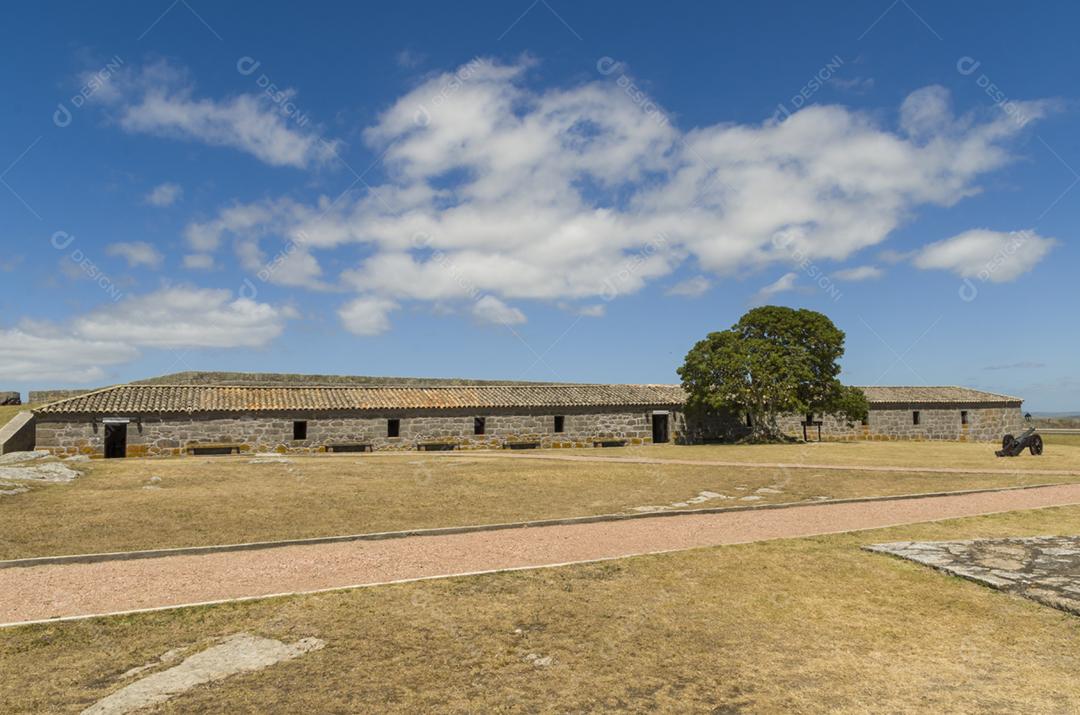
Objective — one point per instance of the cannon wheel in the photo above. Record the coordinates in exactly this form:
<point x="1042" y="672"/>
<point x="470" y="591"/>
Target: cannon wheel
<point x="1007" y="442"/>
<point x="1036" y="446"/>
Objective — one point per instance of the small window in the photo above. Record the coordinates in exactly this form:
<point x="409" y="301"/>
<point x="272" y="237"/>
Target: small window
<point x="299" y="429"/>
<point x="560" y="423"/>
<point x="749" y="420"/>
<point x="393" y="428"/>
<point x="479" y="425"/>
<point x="866" y="420"/>
<point x="916" y="417"/>
<point x="809" y="417"/>
<point x="963" y="417"/>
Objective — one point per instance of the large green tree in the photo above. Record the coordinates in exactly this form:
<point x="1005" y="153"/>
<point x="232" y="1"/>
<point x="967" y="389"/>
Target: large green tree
<point x="775" y="360"/>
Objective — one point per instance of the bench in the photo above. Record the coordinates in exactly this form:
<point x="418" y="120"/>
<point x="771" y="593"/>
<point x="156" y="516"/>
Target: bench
<point x="349" y="448"/>
<point x="609" y="442"/>
<point x="204" y="450"/>
<point x="521" y="445"/>
<point x="436" y="446"/>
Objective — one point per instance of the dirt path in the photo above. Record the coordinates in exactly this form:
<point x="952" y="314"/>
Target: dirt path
<point x="71" y="590"/>
<point x="474" y="454"/>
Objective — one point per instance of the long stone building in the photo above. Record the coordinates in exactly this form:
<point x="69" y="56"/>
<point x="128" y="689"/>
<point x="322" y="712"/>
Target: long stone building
<point x="921" y="413"/>
<point x="144" y="420"/>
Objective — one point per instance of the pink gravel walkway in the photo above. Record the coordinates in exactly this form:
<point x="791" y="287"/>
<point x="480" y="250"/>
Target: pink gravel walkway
<point x="71" y="590"/>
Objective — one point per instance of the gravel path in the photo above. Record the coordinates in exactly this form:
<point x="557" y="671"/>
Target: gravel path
<point x="68" y="590"/>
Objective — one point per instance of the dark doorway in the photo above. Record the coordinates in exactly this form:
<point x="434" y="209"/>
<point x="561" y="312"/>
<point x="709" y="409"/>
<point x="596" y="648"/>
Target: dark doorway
<point x="659" y="429"/>
<point x="115" y="441"/>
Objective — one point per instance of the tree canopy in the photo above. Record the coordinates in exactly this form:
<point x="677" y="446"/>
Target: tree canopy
<point x="775" y="360"/>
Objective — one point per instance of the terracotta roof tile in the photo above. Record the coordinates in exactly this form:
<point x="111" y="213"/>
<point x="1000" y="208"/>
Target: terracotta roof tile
<point x="150" y="399"/>
<point x="934" y="395"/>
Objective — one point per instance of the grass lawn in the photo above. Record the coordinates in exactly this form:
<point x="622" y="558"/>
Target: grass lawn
<point x="1058" y="440"/>
<point x="133" y="504"/>
<point x="9" y="411"/>
<point x="806" y="625"/>
<point x="1061" y="453"/>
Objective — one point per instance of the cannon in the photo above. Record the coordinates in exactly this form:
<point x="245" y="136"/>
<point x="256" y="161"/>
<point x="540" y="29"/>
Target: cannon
<point x="1014" y="446"/>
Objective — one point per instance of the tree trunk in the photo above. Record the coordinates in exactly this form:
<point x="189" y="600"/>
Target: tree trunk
<point x="763" y="430"/>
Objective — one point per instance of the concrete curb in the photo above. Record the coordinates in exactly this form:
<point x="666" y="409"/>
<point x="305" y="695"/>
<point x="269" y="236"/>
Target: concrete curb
<point x="451" y="530"/>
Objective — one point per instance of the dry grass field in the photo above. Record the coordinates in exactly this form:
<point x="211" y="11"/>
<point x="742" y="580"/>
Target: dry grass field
<point x="1057" y="440"/>
<point x="9" y="411"/>
<point x="970" y="455"/>
<point x="156" y="503"/>
<point x="806" y="625"/>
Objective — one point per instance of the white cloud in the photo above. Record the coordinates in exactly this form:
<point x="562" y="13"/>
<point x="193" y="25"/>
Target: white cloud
<point x="160" y="100"/>
<point x="367" y="316"/>
<point x="199" y="262"/>
<point x="490" y="309"/>
<point x="7" y="265"/>
<point x="691" y="287"/>
<point x="185" y="317"/>
<point x="596" y="310"/>
<point x="858" y="273"/>
<point x="164" y="195"/>
<point x="30" y="355"/>
<point x="926" y="112"/>
<point x="783" y="284"/>
<point x="994" y="256"/>
<point x="571" y="194"/>
<point x="893" y="256"/>
<point x="1025" y="365"/>
<point x="180" y="317"/>
<point x="409" y="59"/>
<point x="136" y="253"/>
<point x="292" y="263"/>
<point x="859" y="85"/>
<point x="245" y="220"/>
<point x="293" y="266"/>
<point x="593" y="310"/>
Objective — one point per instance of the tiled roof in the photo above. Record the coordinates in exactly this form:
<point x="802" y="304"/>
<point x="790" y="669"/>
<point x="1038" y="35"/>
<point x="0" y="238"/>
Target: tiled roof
<point x="947" y="395"/>
<point x="151" y="399"/>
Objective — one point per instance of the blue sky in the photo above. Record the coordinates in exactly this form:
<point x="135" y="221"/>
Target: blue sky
<point x="551" y="191"/>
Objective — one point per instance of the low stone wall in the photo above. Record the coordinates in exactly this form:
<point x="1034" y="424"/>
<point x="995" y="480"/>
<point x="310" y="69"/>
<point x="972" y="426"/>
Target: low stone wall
<point x="44" y="397"/>
<point x="18" y="434"/>
<point x="172" y="435"/>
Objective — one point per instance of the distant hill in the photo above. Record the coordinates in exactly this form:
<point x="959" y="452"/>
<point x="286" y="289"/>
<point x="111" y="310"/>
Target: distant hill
<point x="272" y="378"/>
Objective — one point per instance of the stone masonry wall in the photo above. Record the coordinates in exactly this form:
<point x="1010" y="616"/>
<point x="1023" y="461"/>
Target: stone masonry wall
<point x="165" y="435"/>
<point x="985" y="424"/>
